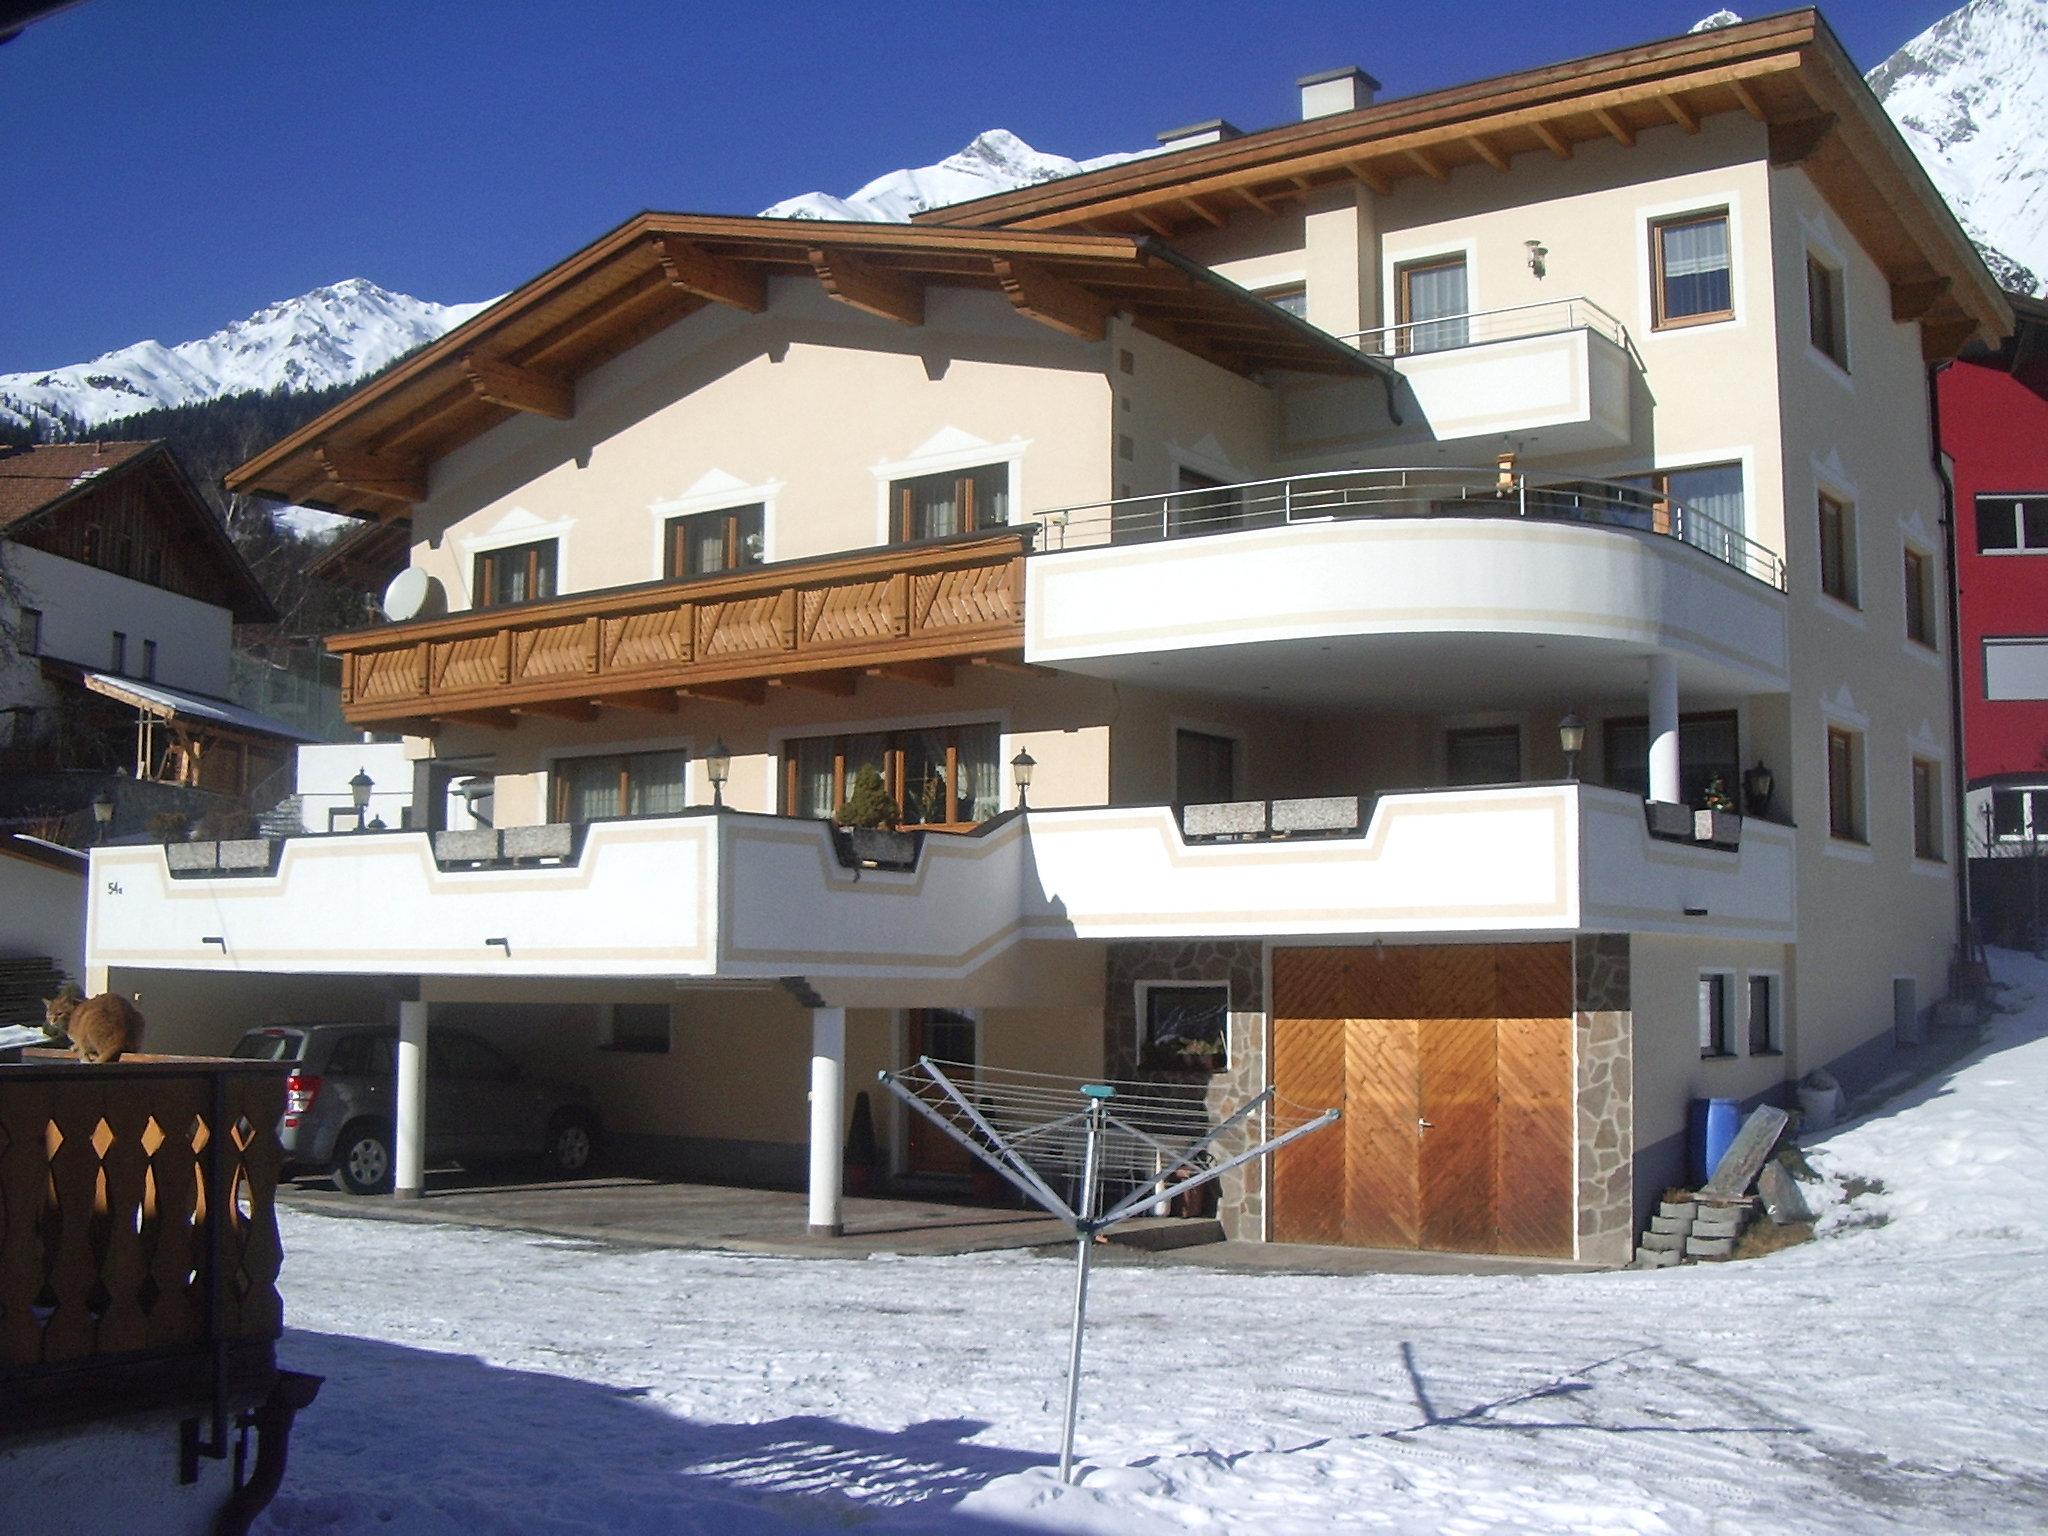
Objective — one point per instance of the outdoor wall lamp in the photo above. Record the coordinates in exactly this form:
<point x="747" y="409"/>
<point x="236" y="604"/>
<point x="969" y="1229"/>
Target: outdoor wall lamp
<point x="1571" y="737"/>
<point x="102" y="813"/>
<point x="1757" y="785"/>
<point x="359" y="793"/>
<point x="718" y="764"/>
<point x="1537" y="251"/>
<point x="1020" y="768"/>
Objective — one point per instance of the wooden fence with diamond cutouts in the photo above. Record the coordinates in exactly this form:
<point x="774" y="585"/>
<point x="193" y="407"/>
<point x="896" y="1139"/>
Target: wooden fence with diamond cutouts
<point x="139" y="1248"/>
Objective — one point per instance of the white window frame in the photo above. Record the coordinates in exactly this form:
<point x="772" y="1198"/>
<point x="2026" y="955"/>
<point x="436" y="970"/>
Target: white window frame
<point x="517" y="526"/>
<point x="962" y="451"/>
<point x="1774" y="982"/>
<point x="1142" y="995"/>
<point x="715" y="491"/>
<point x="1725" y="978"/>
<point x="2015" y="498"/>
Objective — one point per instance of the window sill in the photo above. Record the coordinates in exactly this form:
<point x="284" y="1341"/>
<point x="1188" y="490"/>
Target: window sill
<point x="1719" y="1056"/>
<point x="1764" y="1055"/>
<point x="1924" y="650"/>
<point x="1855" y="851"/>
<point x="1692" y="322"/>
<point x="1831" y="365"/>
<point x="1846" y="609"/>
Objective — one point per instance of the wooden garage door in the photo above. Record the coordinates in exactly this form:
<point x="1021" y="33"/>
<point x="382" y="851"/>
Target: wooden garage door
<point x="1453" y="1066"/>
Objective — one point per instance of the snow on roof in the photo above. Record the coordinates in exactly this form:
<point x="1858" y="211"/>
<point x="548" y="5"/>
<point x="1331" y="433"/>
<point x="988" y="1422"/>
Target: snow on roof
<point x="173" y="703"/>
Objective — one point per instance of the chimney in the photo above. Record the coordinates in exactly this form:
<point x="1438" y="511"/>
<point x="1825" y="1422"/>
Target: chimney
<point x="1214" y="131"/>
<point x="1336" y="90"/>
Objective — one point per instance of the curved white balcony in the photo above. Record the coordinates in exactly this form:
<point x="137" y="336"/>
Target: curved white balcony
<point x="1416" y="583"/>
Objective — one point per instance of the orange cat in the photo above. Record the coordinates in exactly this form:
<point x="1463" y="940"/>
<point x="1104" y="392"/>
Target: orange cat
<point x="102" y="1028"/>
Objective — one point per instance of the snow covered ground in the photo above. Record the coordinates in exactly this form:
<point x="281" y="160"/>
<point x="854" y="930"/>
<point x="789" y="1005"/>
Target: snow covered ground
<point x="1889" y="1377"/>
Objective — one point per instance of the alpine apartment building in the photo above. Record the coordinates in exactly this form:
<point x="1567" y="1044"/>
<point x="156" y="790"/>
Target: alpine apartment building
<point x="1438" y="608"/>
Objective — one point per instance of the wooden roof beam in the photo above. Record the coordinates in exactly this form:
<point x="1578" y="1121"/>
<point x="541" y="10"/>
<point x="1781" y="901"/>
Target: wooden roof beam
<point x="742" y="690"/>
<point x="1203" y="211"/>
<point x="1366" y="172"/>
<point x="374" y="474"/>
<point x="651" y="701"/>
<point x="1252" y="200"/>
<point x="1748" y="99"/>
<point x="1052" y="300"/>
<point x="1621" y="132"/>
<point x="1798" y="138"/>
<point x="496" y="719"/>
<point x="699" y="273"/>
<point x="836" y="685"/>
<point x="1423" y="160"/>
<point x="933" y="674"/>
<point x="579" y="710"/>
<point x="1914" y="301"/>
<point x="1160" y="227"/>
<point x="856" y="282"/>
<point x="1676" y="109"/>
<point x="1552" y="140"/>
<point x="520" y="389"/>
<point x="1486" y="150"/>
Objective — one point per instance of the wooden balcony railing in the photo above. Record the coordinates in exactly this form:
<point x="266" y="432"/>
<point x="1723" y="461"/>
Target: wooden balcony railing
<point x="914" y="609"/>
<point x="138" y="1237"/>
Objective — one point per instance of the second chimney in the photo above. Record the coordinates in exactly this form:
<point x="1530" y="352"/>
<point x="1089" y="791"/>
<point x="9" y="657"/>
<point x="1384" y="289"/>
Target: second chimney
<point x="1336" y="90"/>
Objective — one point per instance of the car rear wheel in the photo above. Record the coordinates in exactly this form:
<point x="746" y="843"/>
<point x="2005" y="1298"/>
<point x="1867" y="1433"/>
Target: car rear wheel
<point x="572" y="1143"/>
<point x="362" y="1159"/>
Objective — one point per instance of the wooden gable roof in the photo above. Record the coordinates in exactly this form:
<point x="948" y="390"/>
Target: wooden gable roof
<point x="47" y="486"/>
<point x="369" y="456"/>
<point x="1788" y="72"/>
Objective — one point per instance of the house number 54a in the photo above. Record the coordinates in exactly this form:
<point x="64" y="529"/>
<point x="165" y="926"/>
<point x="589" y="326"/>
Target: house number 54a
<point x="113" y="887"/>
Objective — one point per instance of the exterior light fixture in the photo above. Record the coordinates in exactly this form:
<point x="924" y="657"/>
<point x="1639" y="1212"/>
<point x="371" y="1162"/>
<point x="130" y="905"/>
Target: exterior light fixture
<point x="1537" y="252"/>
<point x="102" y="813"/>
<point x="1571" y="737"/>
<point x="1020" y="769"/>
<point x="1757" y="785"/>
<point x="359" y="794"/>
<point x="718" y="763"/>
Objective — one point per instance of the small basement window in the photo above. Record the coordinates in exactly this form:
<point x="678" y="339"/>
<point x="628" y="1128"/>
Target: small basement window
<point x="1184" y="1027"/>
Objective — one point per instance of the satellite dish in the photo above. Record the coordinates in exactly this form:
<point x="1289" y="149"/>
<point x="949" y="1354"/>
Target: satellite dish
<point x="411" y="595"/>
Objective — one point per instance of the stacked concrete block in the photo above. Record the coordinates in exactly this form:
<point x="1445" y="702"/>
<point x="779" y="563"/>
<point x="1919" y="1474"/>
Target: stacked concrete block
<point x="1715" y="1230"/>
<point x="1670" y="1230"/>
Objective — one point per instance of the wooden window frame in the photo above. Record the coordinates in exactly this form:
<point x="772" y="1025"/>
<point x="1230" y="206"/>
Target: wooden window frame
<point x="1827" y="315"/>
<point x="1845" y="790"/>
<point x="1717" y="1026"/>
<point x="1404" y="303"/>
<point x="1928" y="843"/>
<point x="538" y="555"/>
<point x="1279" y="292"/>
<point x="903" y="499"/>
<point x="1838" y="550"/>
<point x="1659" y="320"/>
<point x="560" y="770"/>
<point x="1918" y="570"/>
<point x="678" y="542"/>
<point x="894" y="758"/>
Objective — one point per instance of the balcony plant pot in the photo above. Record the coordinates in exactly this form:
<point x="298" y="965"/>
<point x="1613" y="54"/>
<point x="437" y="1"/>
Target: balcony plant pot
<point x="878" y="847"/>
<point x="1669" y="818"/>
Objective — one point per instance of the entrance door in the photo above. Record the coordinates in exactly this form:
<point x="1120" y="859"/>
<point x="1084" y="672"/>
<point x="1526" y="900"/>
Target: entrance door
<point x="1453" y="1066"/>
<point x="949" y="1037"/>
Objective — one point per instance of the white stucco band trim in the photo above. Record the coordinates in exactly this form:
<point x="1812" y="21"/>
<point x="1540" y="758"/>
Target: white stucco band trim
<point x="949" y="448"/>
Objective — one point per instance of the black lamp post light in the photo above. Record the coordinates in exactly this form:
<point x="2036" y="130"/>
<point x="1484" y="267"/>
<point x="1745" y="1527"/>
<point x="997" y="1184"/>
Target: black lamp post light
<point x="359" y="793"/>
<point x="1021" y="767"/>
<point x="1757" y="785"/>
<point x="102" y="814"/>
<point x="718" y="764"/>
<point x="1571" y="737"/>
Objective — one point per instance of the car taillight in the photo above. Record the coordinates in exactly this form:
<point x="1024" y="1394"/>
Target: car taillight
<point x="300" y="1089"/>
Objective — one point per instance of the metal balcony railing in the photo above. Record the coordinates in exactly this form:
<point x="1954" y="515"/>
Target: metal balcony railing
<point x="1444" y="332"/>
<point x="1403" y="493"/>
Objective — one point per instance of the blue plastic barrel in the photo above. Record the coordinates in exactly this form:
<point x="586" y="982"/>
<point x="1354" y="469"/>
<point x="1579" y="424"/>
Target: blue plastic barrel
<point x="1714" y="1124"/>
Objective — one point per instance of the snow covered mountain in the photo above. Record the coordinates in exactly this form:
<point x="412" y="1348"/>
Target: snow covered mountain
<point x="1967" y="94"/>
<point x="332" y="335"/>
<point x="997" y="161"/>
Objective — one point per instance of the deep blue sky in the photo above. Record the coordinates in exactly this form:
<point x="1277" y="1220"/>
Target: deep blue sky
<point x="174" y="166"/>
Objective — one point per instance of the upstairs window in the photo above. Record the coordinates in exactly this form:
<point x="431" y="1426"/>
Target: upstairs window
<point x="1826" y="322"/>
<point x="2012" y="525"/>
<point x="1487" y="755"/>
<point x="1692" y="279"/>
<point x="629" y="784"/>
<point x="1432" y="301"/>
<point x="119" y="660"/>
<point x="1919" y="599"/>
<point x="724" y="540"/>
<point x="2019" y="814"/>
<point x="521" y="573"/>
<point x="943" y="776"/>
<point x="1717" y="1024"/>
<point x="149" y="661"/>
<point x="1837" y="549"/>
<point x="1845" y="788"/>
<point x="1292" y="297"/>
<point x="1926" y="809"/>
<point x="936" y="506"/>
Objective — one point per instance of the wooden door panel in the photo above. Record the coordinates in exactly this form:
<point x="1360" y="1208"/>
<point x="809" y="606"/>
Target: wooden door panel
<point x="1458" y="1159"/>
<point x="1310" y="988"/>
<point x="1382" y="1205"/>
<point x="1537" y="1204"/>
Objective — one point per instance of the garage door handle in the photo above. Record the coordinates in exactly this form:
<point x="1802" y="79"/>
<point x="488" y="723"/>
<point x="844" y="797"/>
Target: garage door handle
<point x="1426" y="1125"/>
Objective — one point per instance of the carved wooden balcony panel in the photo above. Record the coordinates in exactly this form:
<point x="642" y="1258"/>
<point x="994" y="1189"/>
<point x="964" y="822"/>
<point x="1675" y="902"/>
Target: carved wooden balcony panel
<point x="950" y="599"/>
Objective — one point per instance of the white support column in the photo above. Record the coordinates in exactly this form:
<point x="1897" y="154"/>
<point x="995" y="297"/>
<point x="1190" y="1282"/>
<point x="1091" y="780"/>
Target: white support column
<point x="1664" y="784"/>
<point x="828" y="1097"/>
<point x="411" y="1165"/>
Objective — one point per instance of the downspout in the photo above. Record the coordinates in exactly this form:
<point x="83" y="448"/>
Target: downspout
<point x="1960" y="828"/>
<point x="272" y="1422"/>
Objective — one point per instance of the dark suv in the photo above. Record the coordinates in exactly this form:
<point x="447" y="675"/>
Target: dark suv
<point x="341" y="1095"/>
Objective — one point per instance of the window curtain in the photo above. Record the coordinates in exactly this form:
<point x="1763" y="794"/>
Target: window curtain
<point x="1433" y="293"/>
<point x="656" y="782"/>
<point x="1696" y="268"/>
<point x="814" y="760"/>
<point x="593" y="789"/>
<point x="981" y="771"/>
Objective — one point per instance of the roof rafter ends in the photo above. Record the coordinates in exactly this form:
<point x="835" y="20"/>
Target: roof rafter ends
<point x="520" y="389"/>
<point x="1051" y="300"/>
<point x="696" y="271"/>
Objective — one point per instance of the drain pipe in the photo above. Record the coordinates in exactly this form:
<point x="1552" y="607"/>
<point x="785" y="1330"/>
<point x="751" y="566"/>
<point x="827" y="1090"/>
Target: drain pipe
<point x="1958" y="775"/>
<point x="272" y="1422"/>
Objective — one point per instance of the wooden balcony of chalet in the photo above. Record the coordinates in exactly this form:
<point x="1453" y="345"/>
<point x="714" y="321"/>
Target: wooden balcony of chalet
<point x="913" y="611"/>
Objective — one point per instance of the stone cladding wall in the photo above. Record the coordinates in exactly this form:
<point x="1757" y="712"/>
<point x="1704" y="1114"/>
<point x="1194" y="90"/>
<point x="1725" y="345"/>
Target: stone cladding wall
<point x="1603" y="1027"/>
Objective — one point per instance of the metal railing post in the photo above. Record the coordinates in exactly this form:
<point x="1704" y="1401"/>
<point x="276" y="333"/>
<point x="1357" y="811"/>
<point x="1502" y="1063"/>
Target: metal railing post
<point x="1085" y="1245"/>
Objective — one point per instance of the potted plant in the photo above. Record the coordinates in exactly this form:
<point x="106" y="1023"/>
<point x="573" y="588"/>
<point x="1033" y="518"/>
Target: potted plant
<point x="1717" y="822"/>
<point x="868" y="818"/>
